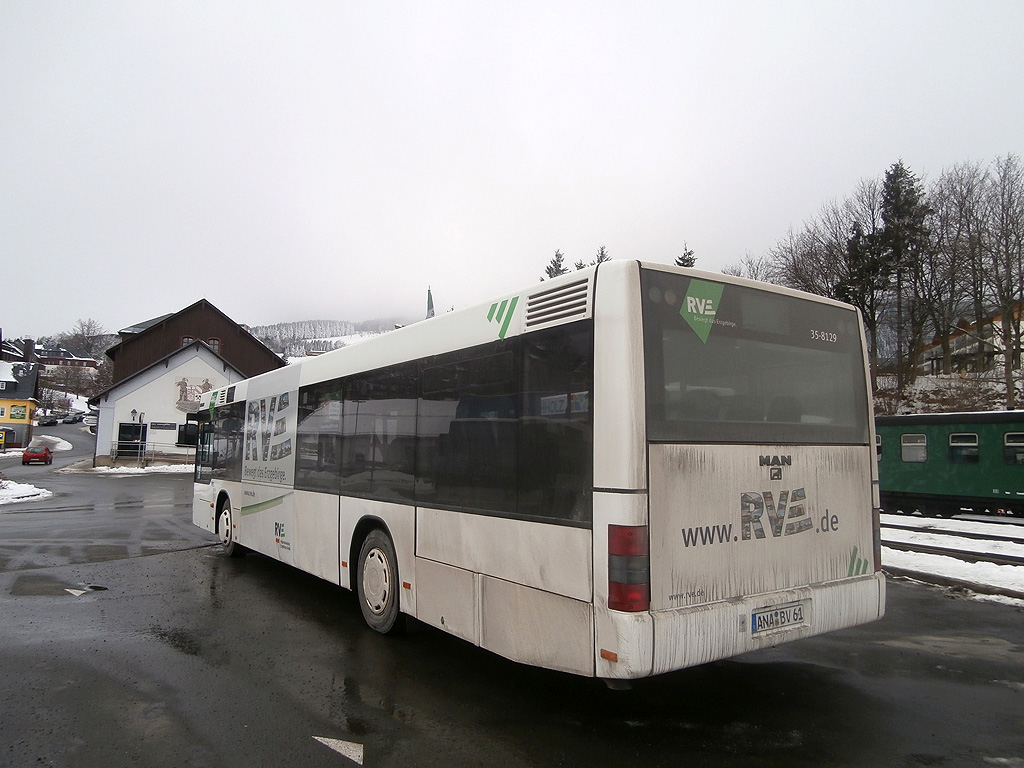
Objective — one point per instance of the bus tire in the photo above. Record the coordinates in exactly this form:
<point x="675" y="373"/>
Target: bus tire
<point x="226" y="531"/>
<point x="377" y="582"/>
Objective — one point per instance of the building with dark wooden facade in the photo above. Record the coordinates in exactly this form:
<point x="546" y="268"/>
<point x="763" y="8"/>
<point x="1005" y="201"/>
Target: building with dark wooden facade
<point x="143" y="344"/>
<point x="160" y="369"/>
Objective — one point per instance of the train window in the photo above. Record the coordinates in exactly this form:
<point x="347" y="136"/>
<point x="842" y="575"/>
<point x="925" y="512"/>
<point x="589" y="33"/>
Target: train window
<point x="914" y="448"/>
<point x="963" y="448"/>
<point x="1013" y="448"/>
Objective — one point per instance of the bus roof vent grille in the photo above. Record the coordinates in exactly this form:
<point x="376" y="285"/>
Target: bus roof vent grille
<point x="222" y="397"/>
<point x="569" y="301"/>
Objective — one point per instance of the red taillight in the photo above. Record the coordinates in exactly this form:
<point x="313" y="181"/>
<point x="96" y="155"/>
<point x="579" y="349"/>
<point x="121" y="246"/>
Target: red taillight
<point x="629" y="568"/>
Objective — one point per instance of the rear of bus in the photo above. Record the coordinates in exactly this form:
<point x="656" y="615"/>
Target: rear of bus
<point x="752" y="518"/>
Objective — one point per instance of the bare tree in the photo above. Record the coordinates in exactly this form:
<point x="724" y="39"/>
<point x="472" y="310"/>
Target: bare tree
<point x="87" y="336"/>
<point x="752" y="267"/>
<point x="1005" y="215"/>
<point x="955" y="287"/>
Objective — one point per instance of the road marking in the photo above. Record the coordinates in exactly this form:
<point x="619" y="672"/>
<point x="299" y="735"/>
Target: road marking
<point x="349" y="749"/>
<point x="76" y="592"/>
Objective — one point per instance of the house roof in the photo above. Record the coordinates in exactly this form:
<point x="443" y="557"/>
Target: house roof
<point x="14" y="349"/>
<point x="133" y="332"/>
<point x="23" y="377"/>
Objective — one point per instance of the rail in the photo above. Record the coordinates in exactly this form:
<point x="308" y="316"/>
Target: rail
<point x="971" y="541"/>
<point x="144" y="453"/>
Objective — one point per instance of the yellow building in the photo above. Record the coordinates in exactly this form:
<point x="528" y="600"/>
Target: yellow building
<point x="18" y="390"/>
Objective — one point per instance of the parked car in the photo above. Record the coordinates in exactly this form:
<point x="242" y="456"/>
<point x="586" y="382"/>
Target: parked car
<point x="72" y="418"/>
<point x="48" y="421"/>
<point x="38" y="453"/>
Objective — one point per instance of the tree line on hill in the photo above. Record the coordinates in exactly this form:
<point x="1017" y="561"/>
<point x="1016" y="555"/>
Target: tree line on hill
<point x="305" y="337"/>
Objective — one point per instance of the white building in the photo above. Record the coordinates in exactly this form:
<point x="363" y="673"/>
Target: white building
<point x="146" y="415"/>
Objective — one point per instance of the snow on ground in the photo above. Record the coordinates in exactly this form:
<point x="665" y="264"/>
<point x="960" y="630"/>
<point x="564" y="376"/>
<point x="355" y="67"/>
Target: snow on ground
<point x="981" y="546"/>
<point x="10" y="492"/>
<point x="165" y="469"/>
<point x="1009" y="578"/>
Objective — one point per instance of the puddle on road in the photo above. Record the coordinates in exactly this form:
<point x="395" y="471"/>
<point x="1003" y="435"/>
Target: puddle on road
<point x="960" y="646"/>
<point x="178" y="639"/>
<point x="41" y="585"/>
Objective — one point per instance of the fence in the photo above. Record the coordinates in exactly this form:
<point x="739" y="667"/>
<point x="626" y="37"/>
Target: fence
<point x="144" y="453"/>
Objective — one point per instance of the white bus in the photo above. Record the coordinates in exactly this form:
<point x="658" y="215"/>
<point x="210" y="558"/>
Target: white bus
<point x="620" y="472"/>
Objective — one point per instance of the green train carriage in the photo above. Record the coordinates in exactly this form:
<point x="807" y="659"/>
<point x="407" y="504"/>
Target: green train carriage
<point x="944" y="463"/>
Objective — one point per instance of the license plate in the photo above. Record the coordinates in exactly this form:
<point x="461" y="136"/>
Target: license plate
<point x="777" y="617"/>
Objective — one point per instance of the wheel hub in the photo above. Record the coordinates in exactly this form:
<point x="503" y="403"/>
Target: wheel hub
<point x="376" y="581"/>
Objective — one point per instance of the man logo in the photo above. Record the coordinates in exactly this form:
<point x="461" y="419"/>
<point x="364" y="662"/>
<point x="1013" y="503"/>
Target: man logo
<point x="775" y="461"/>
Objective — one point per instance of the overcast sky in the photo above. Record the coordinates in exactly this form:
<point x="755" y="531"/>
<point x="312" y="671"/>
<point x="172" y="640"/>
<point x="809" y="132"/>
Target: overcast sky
<point x="305" y="160"/>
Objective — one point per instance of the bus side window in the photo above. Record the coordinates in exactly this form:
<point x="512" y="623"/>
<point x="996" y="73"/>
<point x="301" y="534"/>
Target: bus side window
<point x="556" y="431"/>
<point x="1013" y="448"/>
<point x="318" y="458"/>
<point x="914" y="448"/>
<point x="963" y="448"/>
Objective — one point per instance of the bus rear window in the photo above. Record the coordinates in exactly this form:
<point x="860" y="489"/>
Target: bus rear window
<point x="727" y="363"/>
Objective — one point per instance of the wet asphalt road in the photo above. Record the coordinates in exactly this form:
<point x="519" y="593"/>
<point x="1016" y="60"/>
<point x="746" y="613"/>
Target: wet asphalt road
<point x="166" y="653"/>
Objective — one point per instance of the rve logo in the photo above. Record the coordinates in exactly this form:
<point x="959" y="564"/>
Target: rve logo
<point x="786" y="519"/>
<point x="698" y="306"/>
<point x="701" y="306"/>
<point x="501" y="313"/>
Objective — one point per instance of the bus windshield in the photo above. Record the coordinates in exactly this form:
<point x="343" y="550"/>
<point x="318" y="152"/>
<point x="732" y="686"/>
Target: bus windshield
<point x="731" y="364"/>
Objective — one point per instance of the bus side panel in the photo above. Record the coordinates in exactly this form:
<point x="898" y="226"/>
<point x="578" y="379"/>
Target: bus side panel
<point x="448" y="598"/>
<point x="619" y="431"/>
<point x="314" y="535"/>
<point x="264" y="517"/>
<point x="536" y="627"/>
<point x="555" y="558"/>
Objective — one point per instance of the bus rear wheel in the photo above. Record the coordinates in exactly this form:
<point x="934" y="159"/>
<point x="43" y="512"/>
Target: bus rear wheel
<point x="377" y="582"/>
<point x="226" y="531"/>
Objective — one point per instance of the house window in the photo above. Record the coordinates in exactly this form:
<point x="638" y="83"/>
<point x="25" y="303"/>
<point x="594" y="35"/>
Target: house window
<point x="186" y="340"/>
<point x="214" y="345"/>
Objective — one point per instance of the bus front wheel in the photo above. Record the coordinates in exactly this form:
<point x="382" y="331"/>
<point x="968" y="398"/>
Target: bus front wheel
<point x="377" y="582"/>
<point x="226" y="531"/>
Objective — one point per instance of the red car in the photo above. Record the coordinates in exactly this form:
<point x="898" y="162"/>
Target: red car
<point x="37" y="453"/>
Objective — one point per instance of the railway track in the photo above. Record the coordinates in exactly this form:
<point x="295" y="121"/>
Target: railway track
<point x="960" y="554"/>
